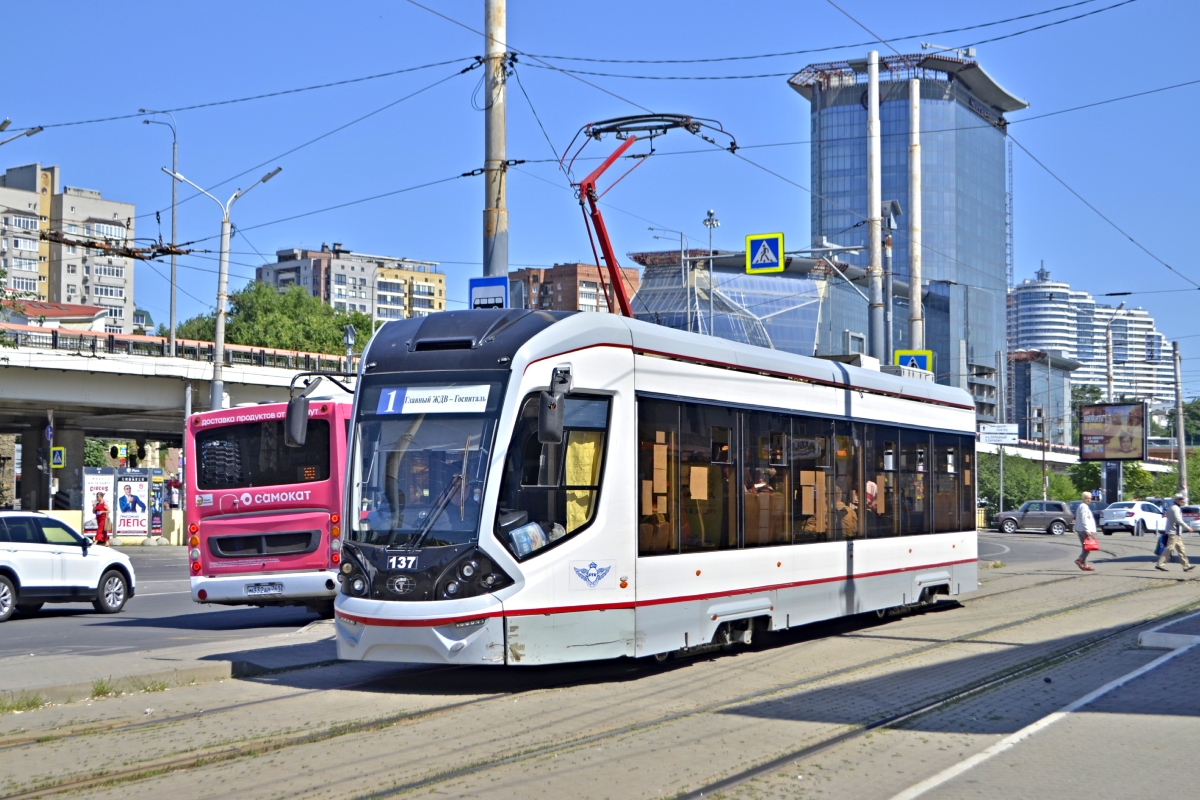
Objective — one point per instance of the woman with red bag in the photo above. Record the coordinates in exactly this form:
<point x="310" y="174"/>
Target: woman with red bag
<point x="1085" y="526"/>
<point x="100" y="510"/>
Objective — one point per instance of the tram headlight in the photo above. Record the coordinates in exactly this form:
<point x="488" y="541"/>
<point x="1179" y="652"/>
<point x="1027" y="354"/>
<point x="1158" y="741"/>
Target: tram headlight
<point x="468" y="569"/>
<point x="347" y="568"/>
<point x="358" y="585"/>
<point x="451" y="589"/>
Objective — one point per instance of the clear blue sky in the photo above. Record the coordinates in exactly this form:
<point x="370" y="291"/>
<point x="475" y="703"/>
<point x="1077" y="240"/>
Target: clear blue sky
<point x="1134" y="160"/>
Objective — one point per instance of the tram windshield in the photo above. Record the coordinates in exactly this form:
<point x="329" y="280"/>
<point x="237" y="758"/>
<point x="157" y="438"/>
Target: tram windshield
<point x="420" y="460"/>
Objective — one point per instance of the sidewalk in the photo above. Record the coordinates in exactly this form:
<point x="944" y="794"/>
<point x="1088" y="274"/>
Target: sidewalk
<point x="66" y="678"/>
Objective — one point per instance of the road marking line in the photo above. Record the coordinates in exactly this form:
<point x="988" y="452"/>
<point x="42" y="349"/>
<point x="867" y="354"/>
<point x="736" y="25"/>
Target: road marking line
<point x="1003" y="548"/>
<point x="1009" y="742"/>
<point x="155" y="594"/>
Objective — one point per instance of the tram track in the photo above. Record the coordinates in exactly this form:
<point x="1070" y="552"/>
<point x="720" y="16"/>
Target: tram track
<point x="225" y="753"/>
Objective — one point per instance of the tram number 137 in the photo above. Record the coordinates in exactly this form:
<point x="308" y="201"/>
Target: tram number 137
<point x="402" y="562"/>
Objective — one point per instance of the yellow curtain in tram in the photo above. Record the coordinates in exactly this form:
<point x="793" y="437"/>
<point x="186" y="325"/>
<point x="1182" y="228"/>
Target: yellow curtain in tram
<point x="582" y="469"/>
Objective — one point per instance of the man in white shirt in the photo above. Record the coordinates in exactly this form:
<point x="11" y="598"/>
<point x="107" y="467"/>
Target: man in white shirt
<point x="1085" y="526"/>
<point x="1175" y="528"/>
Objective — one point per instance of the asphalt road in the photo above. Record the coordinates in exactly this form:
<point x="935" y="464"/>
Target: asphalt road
<point x="161" y="614"/>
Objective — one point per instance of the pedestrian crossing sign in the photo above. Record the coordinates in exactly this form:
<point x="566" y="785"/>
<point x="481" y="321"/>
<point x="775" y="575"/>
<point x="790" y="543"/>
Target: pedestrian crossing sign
<point x="916" y="359"/>
<point x="764" y="253"/>
<point x="58" y="457"/>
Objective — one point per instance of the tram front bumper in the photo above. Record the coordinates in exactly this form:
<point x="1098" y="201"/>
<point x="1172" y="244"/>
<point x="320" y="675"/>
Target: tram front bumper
<point x="372" y="630"/>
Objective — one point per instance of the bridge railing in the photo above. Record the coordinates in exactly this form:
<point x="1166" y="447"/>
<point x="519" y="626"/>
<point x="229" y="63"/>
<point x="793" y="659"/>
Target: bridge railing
<point x="92" y="343"/>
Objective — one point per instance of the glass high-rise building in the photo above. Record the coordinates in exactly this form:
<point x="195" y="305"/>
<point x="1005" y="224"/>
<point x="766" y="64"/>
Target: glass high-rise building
<point x="963" y="197"/>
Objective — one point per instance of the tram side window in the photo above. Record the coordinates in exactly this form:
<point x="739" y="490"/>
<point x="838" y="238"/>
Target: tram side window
<point x="947" y="478"/>
<point x="658" y="485"/>
<point x="847" y="502"/>
<point x="966" y="446"/>
<point x="550" y="491"/>
<point x="766" y="480"/>
<point x="811" y="465"/>
<point x="881" y="459"/>
<point x="707" y="478"/>
<point x="914" y="483"/>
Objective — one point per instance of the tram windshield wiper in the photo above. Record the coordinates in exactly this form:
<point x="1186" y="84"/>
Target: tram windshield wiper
<point x="435" y="513"/>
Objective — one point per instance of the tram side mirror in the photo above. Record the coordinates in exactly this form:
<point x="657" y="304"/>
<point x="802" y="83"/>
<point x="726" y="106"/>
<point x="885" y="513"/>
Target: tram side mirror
<point x="550" y="418"/>
<point x="295" y="428"/>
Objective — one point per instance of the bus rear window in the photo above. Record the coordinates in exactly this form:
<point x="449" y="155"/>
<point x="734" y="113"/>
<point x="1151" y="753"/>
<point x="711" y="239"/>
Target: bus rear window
<point x="254" y="454"/>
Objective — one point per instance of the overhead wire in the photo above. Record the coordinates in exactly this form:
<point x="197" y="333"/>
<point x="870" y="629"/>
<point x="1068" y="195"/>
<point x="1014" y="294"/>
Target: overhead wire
<point x="1041" y="164"/>
<point x="814" y="49"/>
<point x="263" y="96"/>
<point x="325" y="135"/>
<point x="793" y="72"/>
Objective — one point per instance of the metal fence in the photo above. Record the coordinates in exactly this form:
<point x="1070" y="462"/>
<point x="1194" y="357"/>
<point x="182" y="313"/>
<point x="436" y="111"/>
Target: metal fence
<point x="87" y="343"/>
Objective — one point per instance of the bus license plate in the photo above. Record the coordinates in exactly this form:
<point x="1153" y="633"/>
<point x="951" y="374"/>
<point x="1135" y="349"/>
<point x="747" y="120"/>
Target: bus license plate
<point x="402" y="562"/>
<point x="257" y="589"/>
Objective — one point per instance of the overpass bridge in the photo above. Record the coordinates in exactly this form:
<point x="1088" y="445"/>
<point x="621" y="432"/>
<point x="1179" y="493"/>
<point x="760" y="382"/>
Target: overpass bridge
<point x="116" y="386"/>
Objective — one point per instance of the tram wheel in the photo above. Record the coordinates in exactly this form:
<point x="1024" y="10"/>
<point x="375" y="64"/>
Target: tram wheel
<point x="662" y="658"/>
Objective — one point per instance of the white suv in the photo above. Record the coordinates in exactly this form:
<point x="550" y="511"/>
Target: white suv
<point x="1136" y="517"/>
<point x="44" y="561"/>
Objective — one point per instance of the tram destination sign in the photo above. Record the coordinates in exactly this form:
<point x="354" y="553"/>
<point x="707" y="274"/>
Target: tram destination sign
<point x="434" y="399"/>
<point x="998" y="433"/>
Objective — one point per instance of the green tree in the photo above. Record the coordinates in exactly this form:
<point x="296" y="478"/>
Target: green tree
<point x="261" y="316"/>
<point x="1085" y="475"/>
<point x="1022" y="479"/>
<point x="1062" y="488"/>
<point x="95" y="452"/>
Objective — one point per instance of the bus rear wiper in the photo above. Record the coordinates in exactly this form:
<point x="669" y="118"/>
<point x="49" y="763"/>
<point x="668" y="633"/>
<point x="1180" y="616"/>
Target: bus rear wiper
<point x="435" y="512"/>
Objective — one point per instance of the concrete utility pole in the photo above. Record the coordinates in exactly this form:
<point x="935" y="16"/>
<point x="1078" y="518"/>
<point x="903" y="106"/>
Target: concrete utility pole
<point x="916" y="311"/>
<point x="495" y="206"/>
<point x="216" y="397"/>
<point x="1180" y="431"/>
<point x="875" y="320"/>
<point x="174" y="197"/>
<point x="887" y="299"/>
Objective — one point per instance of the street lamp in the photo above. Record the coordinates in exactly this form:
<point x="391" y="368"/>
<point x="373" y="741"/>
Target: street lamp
<point x="174" y="194"/>
<point x="711" y="222"/>
<point x="683" y="272"/>
<point x="29" y="132"/>
<point x="217" y="390"/>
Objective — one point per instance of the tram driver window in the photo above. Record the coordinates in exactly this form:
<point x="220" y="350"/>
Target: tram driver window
<point x="550" y="491"/>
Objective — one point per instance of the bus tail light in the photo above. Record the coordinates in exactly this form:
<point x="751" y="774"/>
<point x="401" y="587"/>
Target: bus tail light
<point x="335" y="531"/>
<point x="193" y="528"/>
<point x="335" y="545"/>
<point x="335" y="558"/>
<point x="335" y="519"/>
<point x="194" y="541"/>
<point x="195" y="566"/>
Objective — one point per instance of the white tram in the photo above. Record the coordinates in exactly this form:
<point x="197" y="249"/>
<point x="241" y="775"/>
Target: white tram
<point x="532" y="488"/>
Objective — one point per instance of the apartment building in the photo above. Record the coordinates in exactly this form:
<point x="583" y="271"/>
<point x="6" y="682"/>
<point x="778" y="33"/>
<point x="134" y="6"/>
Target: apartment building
<point x="567" y="287"/>
<point x="31" y="202"/>
<point x="383" y="287"/>
<point x="1050" y="316"/>
<point x="25" y="199"/>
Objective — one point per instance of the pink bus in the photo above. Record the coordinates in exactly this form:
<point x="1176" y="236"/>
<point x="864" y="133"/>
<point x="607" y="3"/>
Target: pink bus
<point x="264" y="517"/>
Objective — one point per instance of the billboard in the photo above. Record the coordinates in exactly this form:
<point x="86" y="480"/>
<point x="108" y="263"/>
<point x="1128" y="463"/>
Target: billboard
<point x="133" y="495"/>
<point x="1113" y="432"/>
<point x="98" y="498"/>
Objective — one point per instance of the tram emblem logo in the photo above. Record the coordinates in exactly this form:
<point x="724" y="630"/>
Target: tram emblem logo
<point x="591" y="574"/>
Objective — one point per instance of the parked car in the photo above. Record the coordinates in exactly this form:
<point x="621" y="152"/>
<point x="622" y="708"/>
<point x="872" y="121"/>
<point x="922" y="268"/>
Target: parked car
<point x="42" y="560"/>
<point x="1097" y="507"/>
<point x="1051" y="516"/>
<point x="1132" y="516"/>
<point x="1191" y="515"/>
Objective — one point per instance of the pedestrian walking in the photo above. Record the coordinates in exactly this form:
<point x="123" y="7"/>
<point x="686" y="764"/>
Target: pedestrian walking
<point x="1175" y="528"/>
<point x="1085" y="526"/>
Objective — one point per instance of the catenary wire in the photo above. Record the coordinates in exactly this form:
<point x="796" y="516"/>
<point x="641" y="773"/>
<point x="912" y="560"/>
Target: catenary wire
<point x="325" y="135"/>
<point x="814" y="49"/>
<point x="507" y="46"/>
<point x="1050" y="172"/>
<point x="793" y="72"/>
<point x="279" y="93"/>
